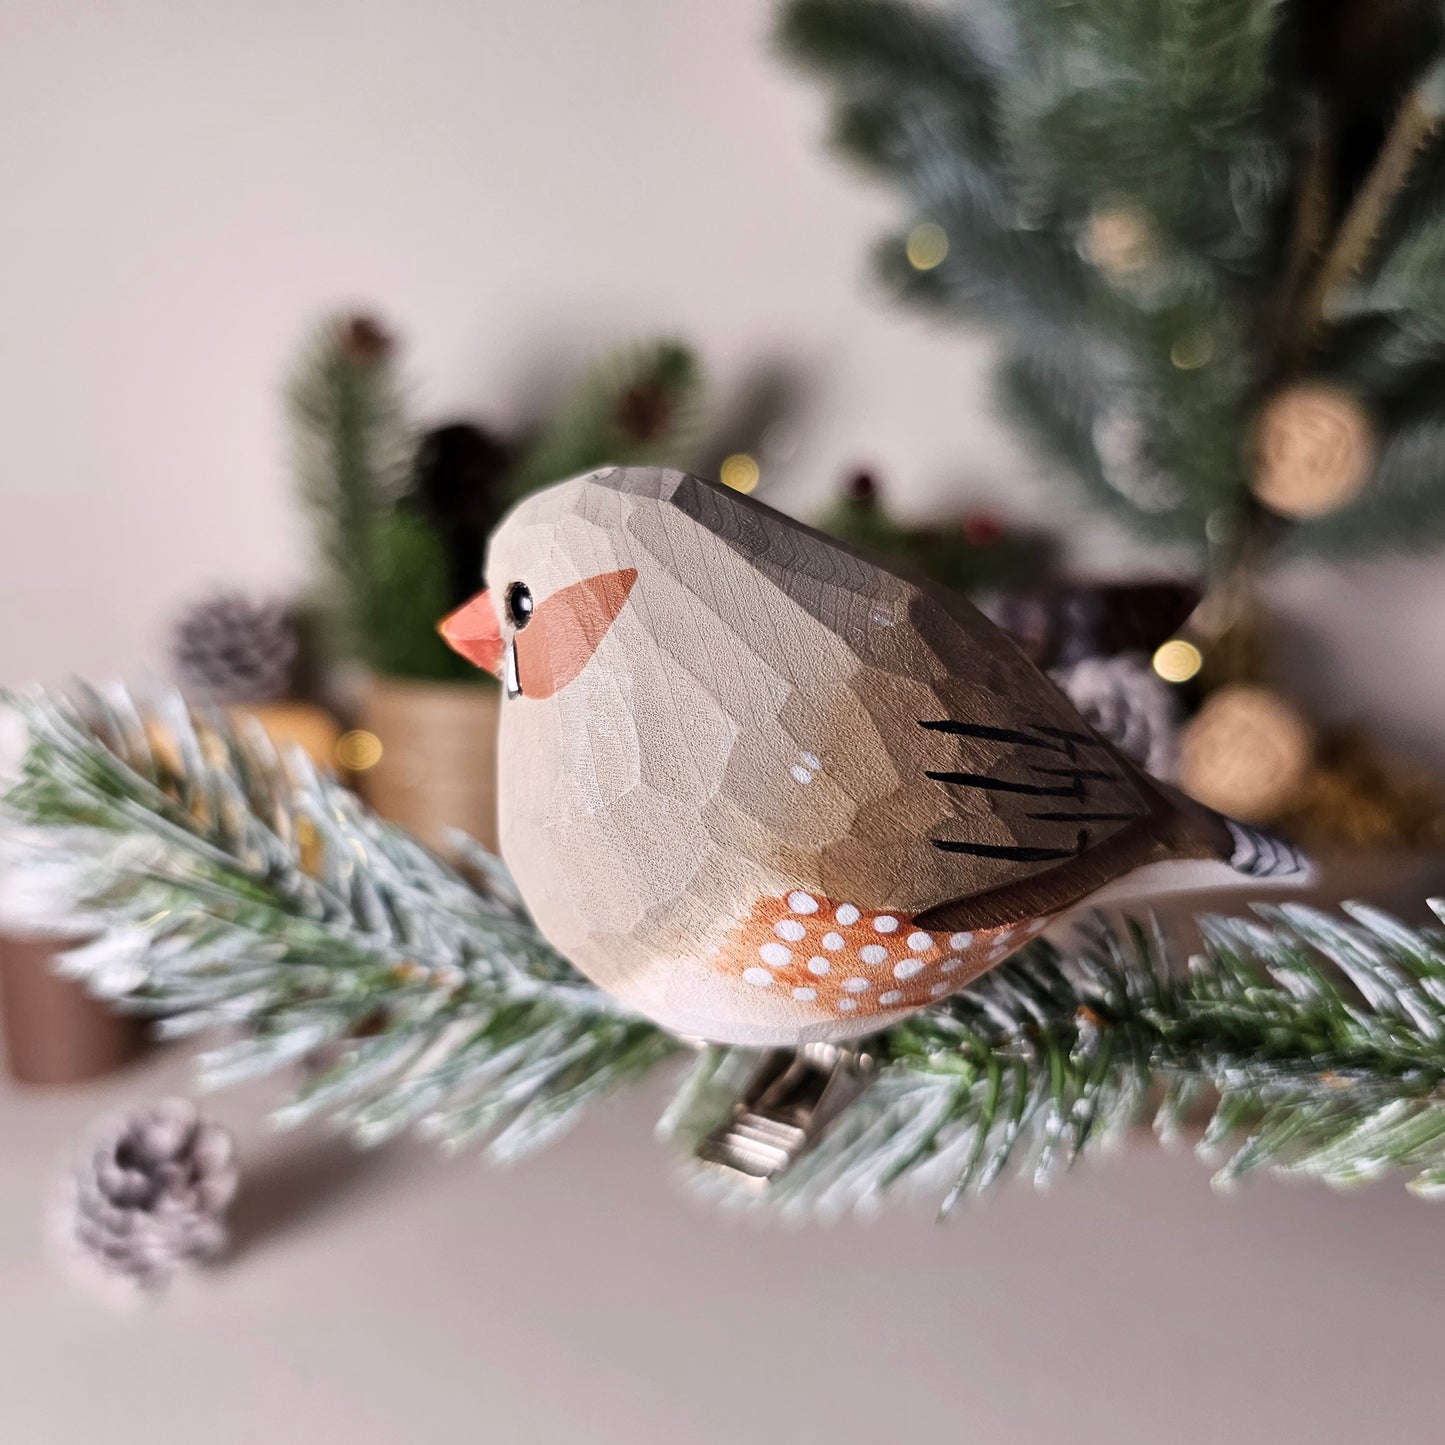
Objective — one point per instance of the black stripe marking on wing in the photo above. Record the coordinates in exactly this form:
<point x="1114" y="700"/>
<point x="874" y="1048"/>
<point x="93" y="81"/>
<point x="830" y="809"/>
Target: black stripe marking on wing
<point x="1073" y="784"/>
<point x="1002" y="785"/>
<point x="1014" y="854"/>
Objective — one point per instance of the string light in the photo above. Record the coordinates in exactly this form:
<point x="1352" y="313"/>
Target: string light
<point x="927" y="245"/>
<point x="1192" y="350"/>
<point x="1178" y="660"/>
<point x="358" y="750"/>
<point x="740" y="472"/>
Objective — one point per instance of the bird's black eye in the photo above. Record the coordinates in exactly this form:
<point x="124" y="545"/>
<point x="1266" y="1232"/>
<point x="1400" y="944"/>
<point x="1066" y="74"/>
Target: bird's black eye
<point x="519" y="605"/>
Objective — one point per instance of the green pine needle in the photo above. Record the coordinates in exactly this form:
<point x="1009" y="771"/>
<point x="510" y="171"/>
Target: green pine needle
<point x="353" y="450"/>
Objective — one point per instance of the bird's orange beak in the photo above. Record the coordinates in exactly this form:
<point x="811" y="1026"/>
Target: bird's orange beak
<point x="473" y="631"/>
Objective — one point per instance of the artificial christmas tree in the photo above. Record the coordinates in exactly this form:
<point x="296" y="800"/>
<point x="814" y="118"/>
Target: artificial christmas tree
<point x="1207" y="234"/>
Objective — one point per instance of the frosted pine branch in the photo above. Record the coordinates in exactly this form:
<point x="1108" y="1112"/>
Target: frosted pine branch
<point x="228" y="891"/>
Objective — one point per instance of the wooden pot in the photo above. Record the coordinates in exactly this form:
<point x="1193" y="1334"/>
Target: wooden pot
<point x="437" y="767"/>
<point x="54" y="1031"/>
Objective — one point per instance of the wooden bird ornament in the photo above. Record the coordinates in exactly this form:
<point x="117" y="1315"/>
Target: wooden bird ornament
<point x="769" y="792"/>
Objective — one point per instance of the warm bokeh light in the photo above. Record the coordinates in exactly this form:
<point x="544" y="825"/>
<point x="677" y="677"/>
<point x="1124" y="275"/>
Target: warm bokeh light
<point x="1192" y="350"/>
<point x="358" y="750"/>
<point x="740" y="472"/>
<point x="1178" y="660"/>
<point x="927" y="246"/>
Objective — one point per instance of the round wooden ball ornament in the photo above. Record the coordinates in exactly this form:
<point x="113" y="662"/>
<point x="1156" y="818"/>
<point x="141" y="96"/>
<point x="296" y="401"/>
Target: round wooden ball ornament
<point x="1314" y="449"/>
<point x="766" y="791"/>
<point x="1246" y="753"/>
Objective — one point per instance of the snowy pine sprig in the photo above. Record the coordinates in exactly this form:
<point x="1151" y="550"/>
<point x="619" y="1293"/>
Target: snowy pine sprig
<point x="228" y="890"/>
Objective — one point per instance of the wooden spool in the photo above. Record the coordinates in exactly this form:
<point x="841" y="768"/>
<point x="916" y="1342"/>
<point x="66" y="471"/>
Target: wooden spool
<point x="54" y="1031"/>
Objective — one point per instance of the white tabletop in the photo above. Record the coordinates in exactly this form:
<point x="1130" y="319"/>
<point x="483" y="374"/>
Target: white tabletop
<point x="401" y="1297"/>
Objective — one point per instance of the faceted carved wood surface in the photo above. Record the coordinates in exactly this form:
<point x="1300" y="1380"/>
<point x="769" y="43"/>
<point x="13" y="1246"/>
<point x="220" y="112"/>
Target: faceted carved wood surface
<point x="766" y="790"/>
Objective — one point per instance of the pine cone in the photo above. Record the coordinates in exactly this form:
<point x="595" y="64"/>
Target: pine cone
<point x="364" y="341"/>
<point x="151" y="1196"/>
<point x="232" y="648"/>
<point x="1123" y="698"/>
<point x="644" y="412"/>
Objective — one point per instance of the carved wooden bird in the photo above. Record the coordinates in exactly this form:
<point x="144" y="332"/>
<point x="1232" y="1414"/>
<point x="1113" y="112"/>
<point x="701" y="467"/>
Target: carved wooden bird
<point x="770" y="792"/>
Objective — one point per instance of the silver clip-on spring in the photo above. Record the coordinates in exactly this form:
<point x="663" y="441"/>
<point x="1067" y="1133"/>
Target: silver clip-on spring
<point x="789" y="1101"/>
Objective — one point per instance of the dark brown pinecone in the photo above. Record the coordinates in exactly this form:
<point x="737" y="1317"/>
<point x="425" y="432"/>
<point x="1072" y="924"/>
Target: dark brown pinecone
<point x="150" y="1197"/>
<point x="861" y="488"/>
<point x="459" y="487"/>
<point x="234" y="648"/>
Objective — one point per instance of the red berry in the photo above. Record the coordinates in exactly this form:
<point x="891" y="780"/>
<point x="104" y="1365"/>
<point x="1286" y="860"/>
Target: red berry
<point x="982" y="530"/>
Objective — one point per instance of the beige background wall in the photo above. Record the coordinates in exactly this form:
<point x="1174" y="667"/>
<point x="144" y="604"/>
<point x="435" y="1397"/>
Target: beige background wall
<point x="515" y="185"/>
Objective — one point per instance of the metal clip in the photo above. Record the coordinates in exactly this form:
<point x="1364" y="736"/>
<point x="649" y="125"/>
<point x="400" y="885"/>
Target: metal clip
<point x="787" y="1104"/>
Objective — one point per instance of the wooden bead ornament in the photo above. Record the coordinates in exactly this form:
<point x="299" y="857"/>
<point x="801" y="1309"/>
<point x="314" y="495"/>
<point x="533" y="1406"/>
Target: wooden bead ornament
<point x="1314" y="450"/>
<point x="1120" y="241"/>
<point x="767" y="791"/>
<point x="1246" y="752"/>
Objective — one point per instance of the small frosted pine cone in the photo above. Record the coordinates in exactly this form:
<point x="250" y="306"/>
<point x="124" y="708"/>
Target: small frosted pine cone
<point x="1125" y="700"/>
<point x="234" y="648"/>
<point x="149" y="1198"/>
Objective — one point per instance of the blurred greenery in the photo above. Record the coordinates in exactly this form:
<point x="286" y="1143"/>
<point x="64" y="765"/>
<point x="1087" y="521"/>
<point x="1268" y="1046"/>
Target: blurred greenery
<point x="402" y="516"/>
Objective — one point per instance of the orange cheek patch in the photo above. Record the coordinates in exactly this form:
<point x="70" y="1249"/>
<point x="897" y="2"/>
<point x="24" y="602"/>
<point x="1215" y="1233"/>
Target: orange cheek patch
<point x="566" y="630"/>
<point x="845" y="962"/>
